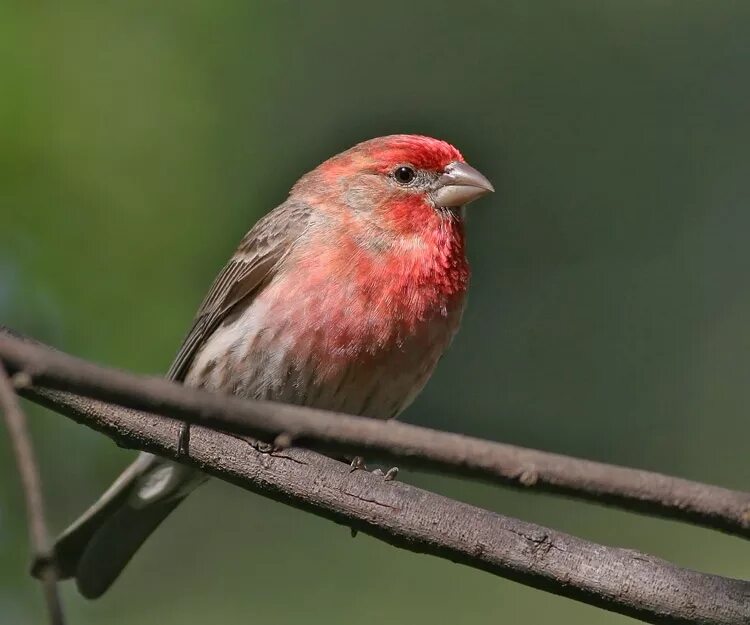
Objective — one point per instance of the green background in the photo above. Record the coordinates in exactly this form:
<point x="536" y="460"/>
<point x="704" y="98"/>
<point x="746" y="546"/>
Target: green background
<point x="609" y="309"/>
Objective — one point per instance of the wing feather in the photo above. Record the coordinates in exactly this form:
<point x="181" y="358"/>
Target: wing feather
<point x="251" y="267"/>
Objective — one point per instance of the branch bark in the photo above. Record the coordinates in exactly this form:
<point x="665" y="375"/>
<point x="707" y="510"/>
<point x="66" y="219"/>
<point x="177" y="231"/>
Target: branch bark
<point x="620" y="580"/>
<point x="23" y="451"/>
<point x="417" y="447"/>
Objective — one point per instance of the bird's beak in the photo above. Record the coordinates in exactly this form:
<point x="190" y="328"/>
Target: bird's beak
<point x="460" y="184"/>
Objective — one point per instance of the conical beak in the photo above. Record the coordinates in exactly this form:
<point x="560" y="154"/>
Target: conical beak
<point x="460" y="184"/>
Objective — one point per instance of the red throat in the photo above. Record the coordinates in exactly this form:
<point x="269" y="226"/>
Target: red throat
<point x="388" y="271"/>
<point x="377" y="301"/>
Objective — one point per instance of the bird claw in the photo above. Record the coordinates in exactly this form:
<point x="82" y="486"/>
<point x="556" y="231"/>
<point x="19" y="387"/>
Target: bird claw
<point x="357" y="463"/>
<point x="389" y="475"/>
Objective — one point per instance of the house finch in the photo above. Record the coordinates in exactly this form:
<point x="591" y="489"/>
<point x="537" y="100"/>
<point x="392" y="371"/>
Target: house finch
<point x="342" y="298"/>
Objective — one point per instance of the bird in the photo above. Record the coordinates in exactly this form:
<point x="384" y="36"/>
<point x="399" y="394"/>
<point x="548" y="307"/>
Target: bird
<point x="343" y="298"/>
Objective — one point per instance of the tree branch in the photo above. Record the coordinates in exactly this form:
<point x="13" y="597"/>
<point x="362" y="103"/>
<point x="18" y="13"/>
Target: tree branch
<point x="631" y="489"/>
<point x="32" y="489"/>
<point x="620" y="580"/>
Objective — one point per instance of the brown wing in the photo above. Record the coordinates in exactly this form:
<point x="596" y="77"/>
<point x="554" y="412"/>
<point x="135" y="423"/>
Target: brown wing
<point x="255" y="261"/>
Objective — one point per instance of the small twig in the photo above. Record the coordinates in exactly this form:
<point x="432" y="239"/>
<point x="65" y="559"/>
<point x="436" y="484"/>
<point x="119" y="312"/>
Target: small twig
<point x="32" y="488"/>
<point x="401" y="443"/>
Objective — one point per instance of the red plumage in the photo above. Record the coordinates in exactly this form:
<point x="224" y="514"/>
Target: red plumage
<point x="344" y="298"/>
<point x="366" y="298"/>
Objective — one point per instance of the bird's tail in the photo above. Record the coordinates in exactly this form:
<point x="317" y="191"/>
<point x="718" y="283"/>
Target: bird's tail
<point x="96" y="548"/>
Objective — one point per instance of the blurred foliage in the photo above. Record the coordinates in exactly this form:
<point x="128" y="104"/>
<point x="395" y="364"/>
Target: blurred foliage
<point x="609" y="308"/>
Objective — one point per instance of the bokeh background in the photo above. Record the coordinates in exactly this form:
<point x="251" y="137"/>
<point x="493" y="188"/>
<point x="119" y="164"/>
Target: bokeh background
<point x="609" y="313"/>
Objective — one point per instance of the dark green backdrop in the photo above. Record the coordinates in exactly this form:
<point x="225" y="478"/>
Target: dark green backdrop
<point x="609" y="312"/>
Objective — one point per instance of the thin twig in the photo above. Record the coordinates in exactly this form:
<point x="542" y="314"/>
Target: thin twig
<point x="620" y="580"/>
<point x="631" y="489"/>
<point x="27" y="468"/>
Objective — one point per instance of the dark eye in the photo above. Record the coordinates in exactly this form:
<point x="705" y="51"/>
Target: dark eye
<point x="403" y="174"/>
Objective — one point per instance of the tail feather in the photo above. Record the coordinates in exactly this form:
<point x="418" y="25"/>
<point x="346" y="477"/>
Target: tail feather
<point x="96" y="548"/>
<point x="115" y="543"/>
<point x="69" y="547"/>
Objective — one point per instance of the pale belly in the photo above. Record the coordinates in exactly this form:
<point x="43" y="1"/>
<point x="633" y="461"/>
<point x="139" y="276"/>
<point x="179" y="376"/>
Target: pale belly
<point x="260" y="353"/>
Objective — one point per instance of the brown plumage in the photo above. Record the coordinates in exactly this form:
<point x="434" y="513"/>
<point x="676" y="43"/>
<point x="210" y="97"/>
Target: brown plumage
<point x="342" y="298"/>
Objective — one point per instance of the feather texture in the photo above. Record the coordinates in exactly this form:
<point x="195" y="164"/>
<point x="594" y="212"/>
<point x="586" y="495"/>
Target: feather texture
<point x="260" y="251"/>
<point x="343" y="298"/>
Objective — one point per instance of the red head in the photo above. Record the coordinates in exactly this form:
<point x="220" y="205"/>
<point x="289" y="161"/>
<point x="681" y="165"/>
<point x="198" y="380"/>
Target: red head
<point x="383" y="153"/>
<point x="398" y="176"/>
<point x="387" y="216"/>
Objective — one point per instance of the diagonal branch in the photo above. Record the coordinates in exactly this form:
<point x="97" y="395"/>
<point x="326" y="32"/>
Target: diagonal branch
<point x="32" y="488"/>
<point x="620" y="580"/>
<point x="631" y="489"/>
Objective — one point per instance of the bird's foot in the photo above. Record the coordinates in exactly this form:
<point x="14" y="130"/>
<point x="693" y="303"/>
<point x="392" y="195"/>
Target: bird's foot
<point x="358" y="463"/>
<point x="389" y="475"/>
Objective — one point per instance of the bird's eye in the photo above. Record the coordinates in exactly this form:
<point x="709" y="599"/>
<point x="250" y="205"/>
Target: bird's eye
<point x="403" y="174"/>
